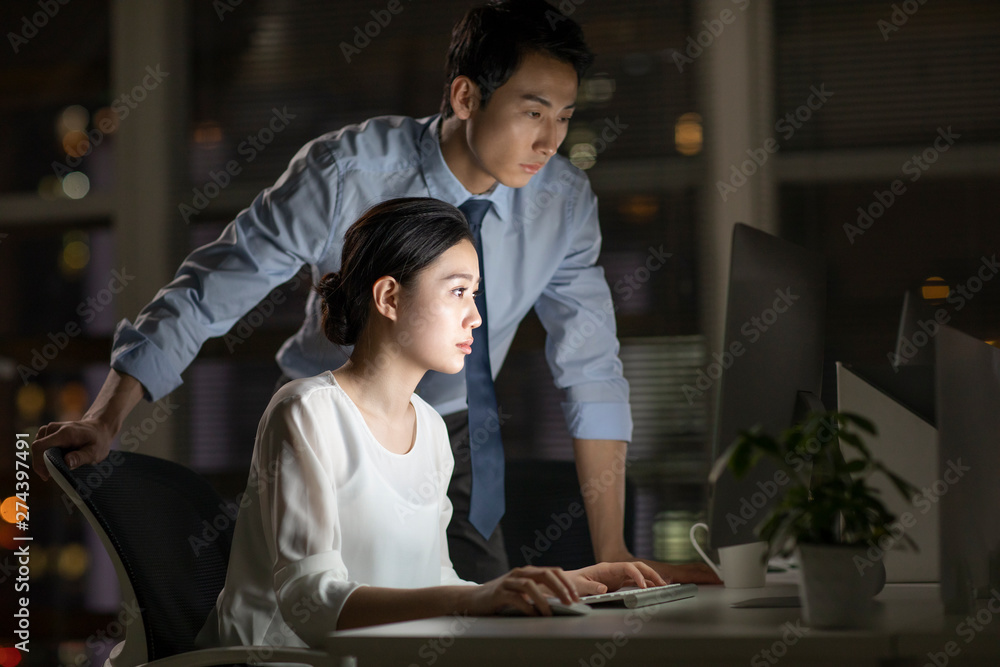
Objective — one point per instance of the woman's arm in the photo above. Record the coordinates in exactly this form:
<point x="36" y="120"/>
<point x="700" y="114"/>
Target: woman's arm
<point x="370" y="605"/>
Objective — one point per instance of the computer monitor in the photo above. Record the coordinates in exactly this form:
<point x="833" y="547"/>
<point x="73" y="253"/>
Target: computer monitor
<point x="775" y="317"/>
<point x="967" y="386"/>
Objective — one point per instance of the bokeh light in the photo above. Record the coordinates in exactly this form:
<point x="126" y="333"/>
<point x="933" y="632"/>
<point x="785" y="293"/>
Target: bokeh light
<point x="935" y="290"/>
<point x="583" y="156"/>
<point x="75" y="143"/>
<point x="75" y="253"/>
<point x="76" y="185"/>
<point x="72" y="400"/>
<point x="72" y="561"/>
<point x="10" y="508"/>
<point x="73" y="118"/>
<point x="106" y="120"/>
<point x="688" y="134"/>
<point x="9" y="656"/>
<point x="30" y="401"/>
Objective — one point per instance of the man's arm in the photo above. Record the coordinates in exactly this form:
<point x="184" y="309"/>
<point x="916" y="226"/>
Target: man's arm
<point x="600" y="466"/>
<point x="287" y="225"/>
<point x="91" y="436"/>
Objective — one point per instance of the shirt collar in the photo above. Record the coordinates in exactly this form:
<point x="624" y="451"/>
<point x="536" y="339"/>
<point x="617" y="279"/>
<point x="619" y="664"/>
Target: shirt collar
<point x="443" y="185"/>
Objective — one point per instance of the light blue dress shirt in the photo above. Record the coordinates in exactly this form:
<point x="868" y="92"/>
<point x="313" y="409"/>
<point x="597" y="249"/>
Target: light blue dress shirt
<point x="541" y="244"/>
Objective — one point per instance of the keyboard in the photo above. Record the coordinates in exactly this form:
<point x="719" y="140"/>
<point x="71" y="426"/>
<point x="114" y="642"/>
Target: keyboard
<point x="631" y="597"/>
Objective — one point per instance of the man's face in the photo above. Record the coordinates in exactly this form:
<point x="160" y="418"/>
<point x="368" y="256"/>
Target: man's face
<point x="524" y="121"/>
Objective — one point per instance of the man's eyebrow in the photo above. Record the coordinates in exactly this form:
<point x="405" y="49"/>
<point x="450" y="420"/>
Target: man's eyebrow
<point x="531" y="97"/>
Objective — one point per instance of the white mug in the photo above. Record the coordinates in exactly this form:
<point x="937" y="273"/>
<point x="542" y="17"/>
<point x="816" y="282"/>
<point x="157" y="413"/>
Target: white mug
<point x="740" y="566"/>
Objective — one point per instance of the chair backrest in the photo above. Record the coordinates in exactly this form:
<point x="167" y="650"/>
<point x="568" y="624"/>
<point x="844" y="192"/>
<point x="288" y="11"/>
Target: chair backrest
<point x="169" y="534"/>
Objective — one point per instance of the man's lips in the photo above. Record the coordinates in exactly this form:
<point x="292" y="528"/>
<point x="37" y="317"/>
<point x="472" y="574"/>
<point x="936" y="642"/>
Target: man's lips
<point x="532" y="167"/>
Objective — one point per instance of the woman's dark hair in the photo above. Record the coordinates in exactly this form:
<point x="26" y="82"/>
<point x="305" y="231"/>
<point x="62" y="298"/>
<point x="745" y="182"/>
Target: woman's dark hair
<point x="489" y="43"/>
<point x="397" y="238"/>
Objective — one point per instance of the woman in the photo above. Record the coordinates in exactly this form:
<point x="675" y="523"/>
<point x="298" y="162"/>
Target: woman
<point x="351" y="468"/>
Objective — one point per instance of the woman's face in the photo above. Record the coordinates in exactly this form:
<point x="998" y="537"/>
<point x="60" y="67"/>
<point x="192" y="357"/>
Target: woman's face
<point x="437" y="312"/>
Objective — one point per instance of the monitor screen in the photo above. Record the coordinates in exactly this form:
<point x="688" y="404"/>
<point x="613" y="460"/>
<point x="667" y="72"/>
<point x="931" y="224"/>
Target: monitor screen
<point x="771" y="368"/>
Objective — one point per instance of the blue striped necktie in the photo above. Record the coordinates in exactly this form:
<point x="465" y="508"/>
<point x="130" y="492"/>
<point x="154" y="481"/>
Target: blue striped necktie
<point x="485" y="447"/>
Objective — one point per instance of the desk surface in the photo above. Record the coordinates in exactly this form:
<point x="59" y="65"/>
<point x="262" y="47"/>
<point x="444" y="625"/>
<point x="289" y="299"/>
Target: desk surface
<point x="703" y="630"/>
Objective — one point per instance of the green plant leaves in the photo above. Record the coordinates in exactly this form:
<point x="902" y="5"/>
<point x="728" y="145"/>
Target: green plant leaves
<point x="835" y="503"/>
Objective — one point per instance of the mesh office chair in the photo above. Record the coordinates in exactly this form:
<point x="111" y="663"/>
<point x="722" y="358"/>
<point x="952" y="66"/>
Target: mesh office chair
<point x="150" y="515"/>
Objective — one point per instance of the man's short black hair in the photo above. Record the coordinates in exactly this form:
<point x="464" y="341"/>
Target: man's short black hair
<point x="488" y="44"/>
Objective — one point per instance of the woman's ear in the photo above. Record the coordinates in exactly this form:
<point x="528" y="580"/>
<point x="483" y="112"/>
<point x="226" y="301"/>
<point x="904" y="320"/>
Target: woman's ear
<point x="464" y="97"/>
<point x="385" y="292"/>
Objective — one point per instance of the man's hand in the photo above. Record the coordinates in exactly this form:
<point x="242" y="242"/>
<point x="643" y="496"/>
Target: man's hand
<point x="92" y="434"/>
<point x="683" y="573"/>
<point x="89" y="438"/>
<point x="605" y="577"/>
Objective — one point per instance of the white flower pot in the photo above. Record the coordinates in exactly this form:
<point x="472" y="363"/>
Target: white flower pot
<point x="835" y="593"/>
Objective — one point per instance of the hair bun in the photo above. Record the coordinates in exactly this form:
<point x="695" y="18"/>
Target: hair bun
<point x="334" y="307"/>
<point x="330" y="285"/>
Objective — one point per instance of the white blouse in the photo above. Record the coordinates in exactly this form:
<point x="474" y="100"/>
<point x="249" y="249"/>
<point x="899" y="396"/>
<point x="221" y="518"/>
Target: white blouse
<point x="328" y="509"/>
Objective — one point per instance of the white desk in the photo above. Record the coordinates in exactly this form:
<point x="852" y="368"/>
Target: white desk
<point x="703" y="630"/>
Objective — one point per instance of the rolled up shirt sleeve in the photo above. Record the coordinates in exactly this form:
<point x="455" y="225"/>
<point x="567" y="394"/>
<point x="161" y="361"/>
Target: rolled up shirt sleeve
<point x="286" y="226"/>
<point x="582" y="344"/>
<point x="300" y="512"/>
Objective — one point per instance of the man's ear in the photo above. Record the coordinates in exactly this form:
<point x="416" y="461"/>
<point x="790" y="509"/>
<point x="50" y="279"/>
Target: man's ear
<point x="464" y="97"/>
<point x="385" y="292"/>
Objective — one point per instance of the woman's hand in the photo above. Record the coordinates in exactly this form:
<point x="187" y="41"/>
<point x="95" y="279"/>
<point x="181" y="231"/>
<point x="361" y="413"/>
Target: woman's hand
<point x="519" y="588"/>
<point x="605" y="577"/>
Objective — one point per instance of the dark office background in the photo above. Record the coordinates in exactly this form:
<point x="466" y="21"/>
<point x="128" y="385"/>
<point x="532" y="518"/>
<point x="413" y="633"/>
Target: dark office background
<point x="893" y="90"/>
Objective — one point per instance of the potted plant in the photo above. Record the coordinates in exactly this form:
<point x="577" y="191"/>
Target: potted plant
<point x="830" y="515"/>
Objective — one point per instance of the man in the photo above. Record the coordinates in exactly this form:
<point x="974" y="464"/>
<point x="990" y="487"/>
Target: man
<point x="513" y="69"/>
